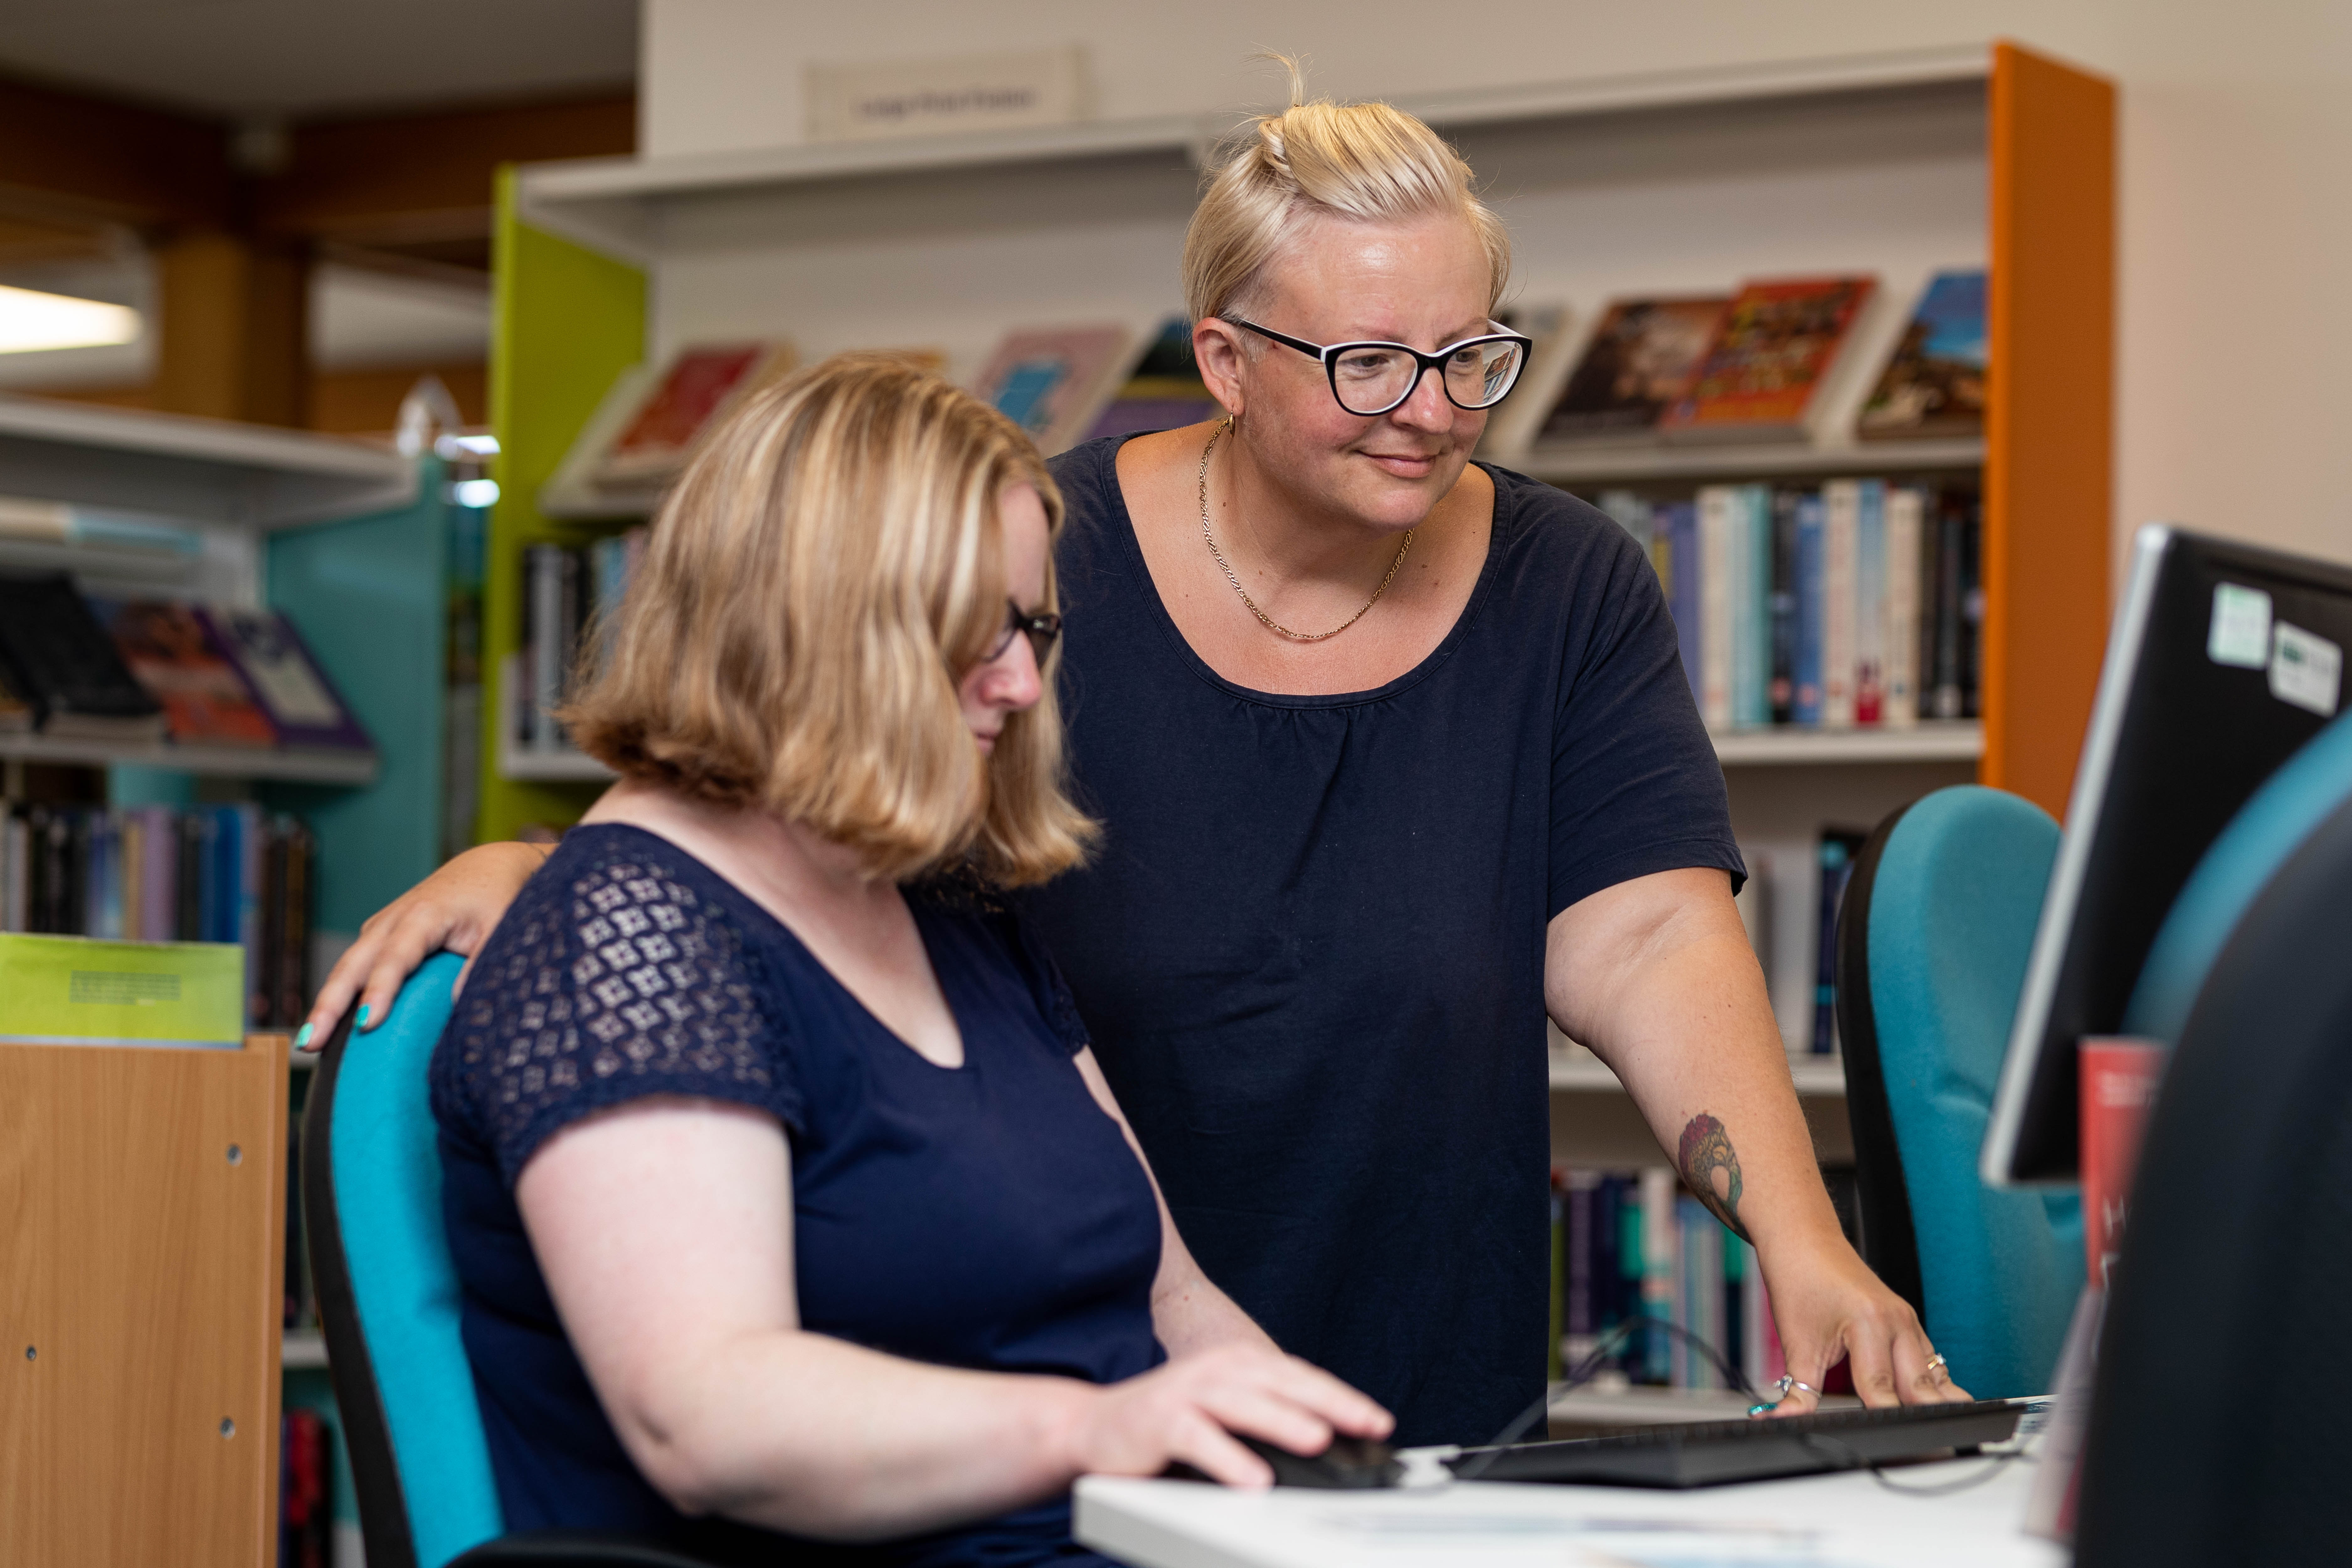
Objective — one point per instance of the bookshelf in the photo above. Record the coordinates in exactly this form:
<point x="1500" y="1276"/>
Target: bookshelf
<point x="1899" y="165"/>
<point x="349" y="539"/>
<point x="1574" y="468"/>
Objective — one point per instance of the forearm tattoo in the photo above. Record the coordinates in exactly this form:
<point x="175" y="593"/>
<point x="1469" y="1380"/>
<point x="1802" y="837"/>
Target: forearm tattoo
<point x="1711" y="1166"/>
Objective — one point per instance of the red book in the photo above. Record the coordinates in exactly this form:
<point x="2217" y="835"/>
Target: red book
<point x="700" y="386"/>
<point x="173" y="656"/>
<point x="2119" y="1078"/>
<point x="1771" y="352"/>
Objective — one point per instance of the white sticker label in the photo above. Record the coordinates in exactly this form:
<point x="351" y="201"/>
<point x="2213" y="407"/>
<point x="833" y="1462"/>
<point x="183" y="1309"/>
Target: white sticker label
<point x="2240" y="631"/>
<point x="2306" y="670"/>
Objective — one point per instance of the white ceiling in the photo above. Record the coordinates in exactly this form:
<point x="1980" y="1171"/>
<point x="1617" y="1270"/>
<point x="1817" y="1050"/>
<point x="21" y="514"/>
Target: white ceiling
<point x="263" y="59"/>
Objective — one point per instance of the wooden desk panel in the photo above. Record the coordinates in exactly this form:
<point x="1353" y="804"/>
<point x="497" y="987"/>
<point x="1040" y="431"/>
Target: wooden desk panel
<point x="141" y="1294"/>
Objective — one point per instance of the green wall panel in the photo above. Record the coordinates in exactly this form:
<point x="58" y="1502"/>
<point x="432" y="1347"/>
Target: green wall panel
<point x="566" y="321"/>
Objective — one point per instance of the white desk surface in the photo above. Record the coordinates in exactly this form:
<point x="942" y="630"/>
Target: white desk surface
<point x="1846" y="1521"/>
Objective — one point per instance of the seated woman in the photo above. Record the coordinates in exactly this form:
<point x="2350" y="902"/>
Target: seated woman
<point x="784" y="1190"/>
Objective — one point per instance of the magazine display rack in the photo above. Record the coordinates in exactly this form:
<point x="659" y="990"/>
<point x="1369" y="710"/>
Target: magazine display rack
<point x="142" y="1217"/>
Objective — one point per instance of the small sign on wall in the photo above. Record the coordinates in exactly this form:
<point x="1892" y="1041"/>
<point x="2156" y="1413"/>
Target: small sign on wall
<point x="944" y="97"/>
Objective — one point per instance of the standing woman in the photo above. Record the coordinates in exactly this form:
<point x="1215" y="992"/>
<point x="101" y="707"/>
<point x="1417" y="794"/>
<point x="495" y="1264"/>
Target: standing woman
<point x="1394" y="756"/>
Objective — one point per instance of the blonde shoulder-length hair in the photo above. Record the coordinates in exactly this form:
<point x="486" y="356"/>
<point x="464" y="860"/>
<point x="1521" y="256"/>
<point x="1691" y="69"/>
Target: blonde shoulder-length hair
<point x="827" y="565"/>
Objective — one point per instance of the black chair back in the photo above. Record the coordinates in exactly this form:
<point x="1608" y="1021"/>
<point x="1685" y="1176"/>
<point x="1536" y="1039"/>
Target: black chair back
<point x="2217" y="1429"/>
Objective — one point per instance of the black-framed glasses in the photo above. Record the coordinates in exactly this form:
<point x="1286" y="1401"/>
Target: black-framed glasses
<point x="1042" y="629"/>
<point x="1374" y="378"/>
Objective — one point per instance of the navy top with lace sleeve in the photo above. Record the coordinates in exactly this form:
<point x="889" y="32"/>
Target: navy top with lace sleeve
<point x="988" y="1217"/>
<point x="1311" y="952"/>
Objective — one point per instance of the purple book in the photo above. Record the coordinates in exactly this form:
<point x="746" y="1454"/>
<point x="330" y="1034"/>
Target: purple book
<point x="286" y="680"/>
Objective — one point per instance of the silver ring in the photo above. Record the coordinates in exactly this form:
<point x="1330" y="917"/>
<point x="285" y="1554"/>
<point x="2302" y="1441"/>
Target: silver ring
<point x="1938" y="1368"/>
<point x="1789" y="1380"/>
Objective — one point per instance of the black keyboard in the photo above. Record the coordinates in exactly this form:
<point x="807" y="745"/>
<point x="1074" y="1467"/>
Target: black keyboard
<point x="1708" y="1452"/>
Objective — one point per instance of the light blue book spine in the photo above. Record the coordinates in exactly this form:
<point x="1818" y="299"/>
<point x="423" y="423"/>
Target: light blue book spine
<point x="1753" y="693"/>
<point x="1808" y="701"/>
<point x="1870" y="605"/>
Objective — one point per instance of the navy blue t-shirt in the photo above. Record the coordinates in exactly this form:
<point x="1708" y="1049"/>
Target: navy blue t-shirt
<point x="1310" y="950"/>
<point x="987" y="1217"/>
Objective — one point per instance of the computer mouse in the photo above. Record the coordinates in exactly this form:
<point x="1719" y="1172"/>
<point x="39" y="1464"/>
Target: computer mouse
<point x="1350" y="1464"/>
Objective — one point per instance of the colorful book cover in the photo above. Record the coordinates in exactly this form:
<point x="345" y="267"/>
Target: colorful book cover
<point x="1052" y="381"/>
<point x="1638" y="361"/>
<point x="701" y="386"/>
<point x="278" y="668"/>
<point x="173" y="654"/>
<point x="80" y="991"/>
<point x="1775" y="347"/>
<point x="1933" y="383"/>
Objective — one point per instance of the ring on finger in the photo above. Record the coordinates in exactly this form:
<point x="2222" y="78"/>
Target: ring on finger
<point x="1938" y="1368"/>
<point x="1789" y="1380"/>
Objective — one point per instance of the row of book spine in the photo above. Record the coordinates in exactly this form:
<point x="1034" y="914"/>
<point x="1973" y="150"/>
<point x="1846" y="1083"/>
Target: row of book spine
<point x="569" y="593"/>
<point x="218" y="873"/>
<point x="1858" y="604"/>
<point x="1636" y="1246"/>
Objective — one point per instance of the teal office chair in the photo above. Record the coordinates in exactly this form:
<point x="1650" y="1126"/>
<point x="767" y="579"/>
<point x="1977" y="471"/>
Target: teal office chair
<point x="1932" y="943"/>
<point x="388" y="1300"/>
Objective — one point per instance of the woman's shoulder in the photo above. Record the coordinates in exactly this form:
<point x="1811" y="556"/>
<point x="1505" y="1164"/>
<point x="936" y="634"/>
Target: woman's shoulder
<point x="1555" y="536"/>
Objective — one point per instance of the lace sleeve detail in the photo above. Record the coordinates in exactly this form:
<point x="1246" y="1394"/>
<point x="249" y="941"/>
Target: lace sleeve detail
<point x="613" y="981"/>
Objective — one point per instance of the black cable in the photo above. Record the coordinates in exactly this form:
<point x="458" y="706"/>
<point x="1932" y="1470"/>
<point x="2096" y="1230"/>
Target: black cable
<point x="1589" y="1368"/>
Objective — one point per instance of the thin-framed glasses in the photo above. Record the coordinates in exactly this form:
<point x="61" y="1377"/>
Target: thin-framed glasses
<point x="1374" y="378"/>
<point x="1042" y="629"/>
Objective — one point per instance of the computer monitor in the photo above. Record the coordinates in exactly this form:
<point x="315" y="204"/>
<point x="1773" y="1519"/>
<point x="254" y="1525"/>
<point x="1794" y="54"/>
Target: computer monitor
<point x="2223" y="661"/>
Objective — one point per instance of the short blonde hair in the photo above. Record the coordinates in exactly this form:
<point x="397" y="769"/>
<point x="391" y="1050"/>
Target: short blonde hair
<point x="1366" y="162"/>
<point x="827" y="564"/>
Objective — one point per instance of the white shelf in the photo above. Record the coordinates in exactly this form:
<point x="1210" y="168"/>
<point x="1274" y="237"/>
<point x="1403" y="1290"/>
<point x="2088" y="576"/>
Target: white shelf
<point x="1570" y="465"/>
<point x="105" y="563"/>
<point x="305" y="1348"/>
<point x="632" y="207"/>
<point x="204" y="470"/>
<point x="1939" y="741"/>
<point x="1581" y="1072"/>
<point x="550" y="767"/>
<point x="212" y="762"/>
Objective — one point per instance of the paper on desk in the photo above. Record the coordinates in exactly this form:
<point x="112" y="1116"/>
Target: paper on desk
<point x="1602" y="1540"/>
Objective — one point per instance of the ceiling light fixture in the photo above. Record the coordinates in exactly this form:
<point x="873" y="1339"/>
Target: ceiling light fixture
<point x="30" y="320"/>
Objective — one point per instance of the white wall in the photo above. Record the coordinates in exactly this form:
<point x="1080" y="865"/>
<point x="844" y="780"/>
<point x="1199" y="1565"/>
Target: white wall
<point x="2236" y="245"/>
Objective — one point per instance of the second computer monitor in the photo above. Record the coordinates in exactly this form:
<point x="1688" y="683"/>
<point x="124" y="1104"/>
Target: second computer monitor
<point x="2224" y="658"/>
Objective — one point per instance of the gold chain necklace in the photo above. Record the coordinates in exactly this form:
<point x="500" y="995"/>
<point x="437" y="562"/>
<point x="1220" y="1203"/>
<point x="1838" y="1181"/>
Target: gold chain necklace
<point x="1270" y="623"/>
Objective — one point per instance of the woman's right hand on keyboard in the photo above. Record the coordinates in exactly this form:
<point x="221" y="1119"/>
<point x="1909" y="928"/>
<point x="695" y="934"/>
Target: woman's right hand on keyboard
<point x="1189" y="1409"/>
<point x="453" y="910"/>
